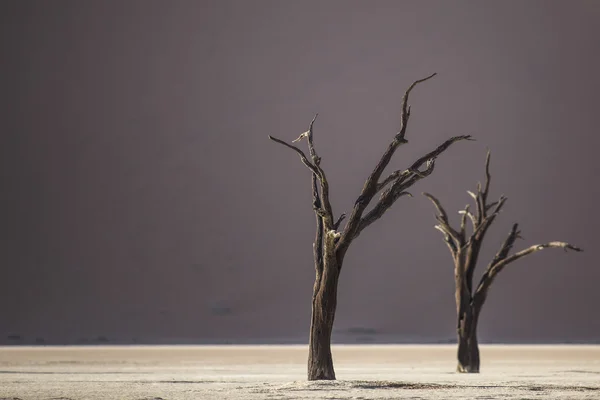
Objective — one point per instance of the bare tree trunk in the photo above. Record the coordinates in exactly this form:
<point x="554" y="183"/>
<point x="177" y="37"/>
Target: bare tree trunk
<point x="320" y="362"/>
<point x="468" y="347"/>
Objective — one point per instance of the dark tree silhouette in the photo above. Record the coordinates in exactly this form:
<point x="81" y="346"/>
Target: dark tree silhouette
<point x="465" y="251"/>
<point x="330" y="245"/>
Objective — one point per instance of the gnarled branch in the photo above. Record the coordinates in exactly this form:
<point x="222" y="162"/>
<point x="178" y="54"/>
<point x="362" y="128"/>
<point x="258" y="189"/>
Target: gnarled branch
<point x="506" y="246"/>
<point x="370" y="187"/>
<point x="444" y="225"/>
<point x="439" y="150"/>
<point x="530" y="250"/>
<point x="321" y="203"/>
<point x="463" y="221"/>
<point x="405" y="113"/>
<point x="488" y="178"/>
<point x="403" y="182"/>
<point x="494" y="269"/>
<point x="393" y="177"/>
<point x="339" y="221"/>
<point x="303" y="157"/>
<point x="484" y="224"/>
<point x="315" y="167"/>
<point x="326" y="203"/>
<point x="317" y="203"/>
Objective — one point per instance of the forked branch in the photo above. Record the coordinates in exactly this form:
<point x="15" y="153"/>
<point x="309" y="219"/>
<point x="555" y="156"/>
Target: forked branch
<point x="481" y="222"/>
<point x="449" y="239"/>
<point x="403" y="182"/>
<point x="339" y="221"/>
<point x="325" y="210"/>
<point x="321" y="203"/>
<point x="303" y="157"/>
<point x="494" y="268"/>
<point x="452" y="238"/>
<point x="530" y="250"/>
<point x="371" y="185"/>
<point x="463" y="221"/>
<point x="488" y="177"/>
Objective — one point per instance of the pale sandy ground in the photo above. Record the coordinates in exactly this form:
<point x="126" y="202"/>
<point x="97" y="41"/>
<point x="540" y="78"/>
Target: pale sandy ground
<point x="278" y="372"/>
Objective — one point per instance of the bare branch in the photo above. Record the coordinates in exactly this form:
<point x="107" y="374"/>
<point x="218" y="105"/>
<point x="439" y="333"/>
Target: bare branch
<point x="438" y="206"/>
<point x="371" y="185"/>
<point x="446" y="229"/>
<point x="506" y="246"/>
<point x="484" y="282"/>
<point x="439" y="150"/>
<point x="494" y="270"/>
<point x="481" y="212"/>
<point x="481" y="197"/>
<point x="393" y="176"/>
<point x="386" y="201"/>
<point x="488" y="177"/>
<point x="339" y="221"/>
<point x="401" y="184"/>
<point x="302" y="136"/>
<point x="463" y="221"/>
<point x="405" y="109"/>
<point x="564" y="245"/>
<point x="305" y="161"/>
<point x="317" y="174"/>
<point x="311" y="146"/>
<point x="317" y="203"/>
<point x="401" y="175"/>
<point x="326" y="204"/>
<point x="499" y="204"/>
<point x="321" y="202"/>
<point x="489" y="206"/>
<point x="479" y="205"/>
<point x="325" y="211"/>
<point x="448" y="240"/>
<point x="484" y="224"/>
<point x="444" y="225"/>
<point x="467" y="213"/>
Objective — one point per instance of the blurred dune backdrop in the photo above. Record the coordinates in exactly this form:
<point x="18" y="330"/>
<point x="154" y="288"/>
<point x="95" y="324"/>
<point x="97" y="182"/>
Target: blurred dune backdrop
<point x="141" y="201"/>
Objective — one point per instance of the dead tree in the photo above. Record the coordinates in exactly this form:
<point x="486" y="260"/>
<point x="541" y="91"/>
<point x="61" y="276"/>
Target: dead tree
<point x="465" y="251"/>
<point x="330" y="245"/>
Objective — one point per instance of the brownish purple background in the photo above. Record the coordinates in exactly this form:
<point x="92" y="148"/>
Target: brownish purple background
<point x="142" y="201"/>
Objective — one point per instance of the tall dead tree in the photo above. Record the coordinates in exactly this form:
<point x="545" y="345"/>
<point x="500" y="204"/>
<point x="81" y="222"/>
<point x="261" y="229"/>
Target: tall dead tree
<point x="465" y="251"/>
<point x="330" y="245"/>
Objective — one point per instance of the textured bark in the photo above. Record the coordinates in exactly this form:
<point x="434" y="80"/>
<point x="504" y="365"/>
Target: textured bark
<point x="468" y="347"/>
<point x="330" y="246"/>
<point x="320" y="360"/>
<point x="465" y="252"/>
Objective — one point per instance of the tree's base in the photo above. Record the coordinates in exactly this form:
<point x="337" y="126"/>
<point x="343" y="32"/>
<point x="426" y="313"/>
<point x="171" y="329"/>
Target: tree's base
<point x="467" y="369"/>
<point x="321" y="378"/>
<point x="322" y="374"/>
<point x="321" y="370"/>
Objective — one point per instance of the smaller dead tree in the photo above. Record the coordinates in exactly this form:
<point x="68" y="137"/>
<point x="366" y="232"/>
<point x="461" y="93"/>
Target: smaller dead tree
<point x="465" y="251"/>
